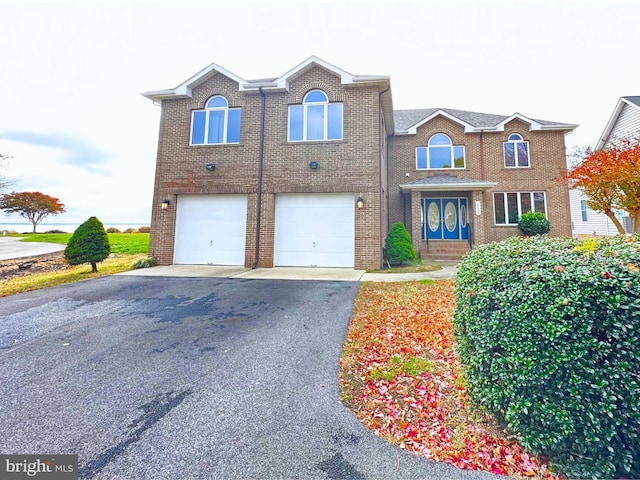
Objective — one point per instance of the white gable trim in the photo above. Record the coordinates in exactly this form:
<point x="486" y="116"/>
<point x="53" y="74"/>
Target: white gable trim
<point x="500" y="127"/>
<point x="468" y="128"/>
<point x="533" y="125"/>
<point x="184" y="90"/>
<point x="283" y="81"/>
<point x="604" y="138"/>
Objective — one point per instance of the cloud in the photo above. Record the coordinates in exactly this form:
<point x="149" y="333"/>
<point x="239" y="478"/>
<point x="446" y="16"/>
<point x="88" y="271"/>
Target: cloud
<point x="76" y="152"/>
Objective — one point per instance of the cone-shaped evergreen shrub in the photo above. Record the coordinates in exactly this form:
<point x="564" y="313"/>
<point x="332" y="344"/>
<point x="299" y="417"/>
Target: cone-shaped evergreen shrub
<point x="88" y="244"/>
<point x="534" y="223"/>
<point x="397" y="246"/>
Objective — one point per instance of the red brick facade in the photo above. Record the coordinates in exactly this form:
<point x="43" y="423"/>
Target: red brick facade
<point x="369" y="161"/>
<point x="484" y="159"/>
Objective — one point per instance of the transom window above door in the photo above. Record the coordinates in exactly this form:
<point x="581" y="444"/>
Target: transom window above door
<point x="440" y="153"/>
<point x="216" y="124"/>
<point x="316" y="119"/>
<point x="516" y="152"/>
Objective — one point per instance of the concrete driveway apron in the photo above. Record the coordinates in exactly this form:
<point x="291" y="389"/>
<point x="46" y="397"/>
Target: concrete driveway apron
<point x="190" y="378"/>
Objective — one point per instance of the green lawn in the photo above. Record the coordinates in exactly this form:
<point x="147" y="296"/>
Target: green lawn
<point x="121" y="243"/>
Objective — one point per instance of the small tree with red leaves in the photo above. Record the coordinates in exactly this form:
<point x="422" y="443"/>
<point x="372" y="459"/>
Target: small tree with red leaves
<point x="610" y="178"/>
<point x="34" y="206"/>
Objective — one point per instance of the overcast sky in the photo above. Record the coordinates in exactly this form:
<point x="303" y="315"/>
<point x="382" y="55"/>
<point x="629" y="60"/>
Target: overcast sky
<point x="74" y="121"/>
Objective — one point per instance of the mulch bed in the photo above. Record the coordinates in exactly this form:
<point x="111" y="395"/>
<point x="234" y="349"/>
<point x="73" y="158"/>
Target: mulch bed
<point x="25" y="266"/>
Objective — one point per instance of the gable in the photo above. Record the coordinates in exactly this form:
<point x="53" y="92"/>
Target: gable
<point x="281" y="84"/>
<point x="408" y="121"/>
<point x="624" y="122"/>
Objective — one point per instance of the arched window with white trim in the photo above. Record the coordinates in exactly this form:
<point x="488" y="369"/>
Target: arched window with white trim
<point x="316" y="119"/>
<point x="216" y="124"/>
<point x="516" y="152"/>
<point x="439" y="154"/>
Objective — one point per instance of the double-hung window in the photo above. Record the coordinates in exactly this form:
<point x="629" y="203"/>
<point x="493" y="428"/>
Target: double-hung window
<point x="216" y="124"/>
<point x="509" y="206"/>
<point x="516" y="152"/>
<point x="584" y="210"/>
<point x="440" y="153"/>
<point x="316" y="119"/>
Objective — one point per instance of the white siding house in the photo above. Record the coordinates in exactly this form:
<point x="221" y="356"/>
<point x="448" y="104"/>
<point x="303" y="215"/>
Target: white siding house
<point x="624" y="123"/>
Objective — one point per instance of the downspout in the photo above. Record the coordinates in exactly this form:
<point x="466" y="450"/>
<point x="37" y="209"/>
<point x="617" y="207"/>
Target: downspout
<point x="482" y="177"/>
<point x="382" y="131"/>
<point x="259" y="189"/>
<point x="481" y="155"/>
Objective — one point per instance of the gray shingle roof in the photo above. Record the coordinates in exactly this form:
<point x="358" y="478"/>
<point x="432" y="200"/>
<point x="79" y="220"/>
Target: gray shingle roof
<point x="447" y="181"/>
<point x="634" y="100"/>
<point x="405" y="119"/>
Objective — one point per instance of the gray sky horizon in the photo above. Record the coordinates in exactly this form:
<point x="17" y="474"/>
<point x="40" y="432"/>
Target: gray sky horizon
<point x="75" y="123"/>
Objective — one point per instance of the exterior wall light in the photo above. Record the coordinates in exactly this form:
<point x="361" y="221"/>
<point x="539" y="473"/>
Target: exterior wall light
<point x="360" y="202"/>
<point x="165" y="204"/>
<point x="313" y="165"/>
<point x="211" y="167"/>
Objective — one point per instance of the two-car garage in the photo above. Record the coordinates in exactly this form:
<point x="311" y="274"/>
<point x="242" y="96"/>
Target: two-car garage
<point x="309" y="230"/>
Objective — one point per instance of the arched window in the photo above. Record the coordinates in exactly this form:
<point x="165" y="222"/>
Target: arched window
<point x="516" y="152"/>
<point x="216" y="124"/>
<point x="440" y="153"/>
<point x="315" y="119"/>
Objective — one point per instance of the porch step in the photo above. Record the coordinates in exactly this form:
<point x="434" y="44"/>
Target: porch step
<point x="444" y="250"/>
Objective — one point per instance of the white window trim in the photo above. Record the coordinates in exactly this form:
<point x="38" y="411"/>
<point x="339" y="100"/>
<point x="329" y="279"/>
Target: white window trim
<point x="506" y="213"/>
<point x="584" y="211"/>
<point x="325" y="132"/>
<point x="206" y="125"/>
<point x="515" y="152"/>
<point x="452" y="146"/>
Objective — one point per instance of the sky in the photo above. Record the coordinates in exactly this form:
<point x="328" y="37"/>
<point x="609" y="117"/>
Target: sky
<point x="76" y="126"/>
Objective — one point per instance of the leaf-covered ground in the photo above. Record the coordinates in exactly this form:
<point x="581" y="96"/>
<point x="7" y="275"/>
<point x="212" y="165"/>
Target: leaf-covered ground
<point x="401" y="377"/>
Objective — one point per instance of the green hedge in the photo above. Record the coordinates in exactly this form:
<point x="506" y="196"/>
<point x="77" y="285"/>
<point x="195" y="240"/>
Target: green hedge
<point x="548" y="333"/>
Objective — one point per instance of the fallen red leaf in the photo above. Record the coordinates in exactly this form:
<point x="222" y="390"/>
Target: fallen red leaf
<point x="401" y="377"/>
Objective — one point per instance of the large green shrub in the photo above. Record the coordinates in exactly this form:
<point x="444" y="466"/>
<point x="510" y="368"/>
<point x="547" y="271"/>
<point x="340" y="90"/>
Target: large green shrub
<point x="534" y="223"/>
<point x="88" y="244"/>
<point x="548" y="333"/>
<point x="398" y="248"/>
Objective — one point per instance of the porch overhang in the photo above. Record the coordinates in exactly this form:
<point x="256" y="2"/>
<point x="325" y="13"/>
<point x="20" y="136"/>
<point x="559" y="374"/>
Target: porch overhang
<point x="444" y="183"/>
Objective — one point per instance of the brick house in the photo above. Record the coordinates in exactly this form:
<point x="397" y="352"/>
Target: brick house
<point x="313" y="167"/>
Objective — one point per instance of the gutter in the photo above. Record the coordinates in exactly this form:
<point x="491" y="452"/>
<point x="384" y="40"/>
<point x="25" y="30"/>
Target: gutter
<point x="259" y="188"/>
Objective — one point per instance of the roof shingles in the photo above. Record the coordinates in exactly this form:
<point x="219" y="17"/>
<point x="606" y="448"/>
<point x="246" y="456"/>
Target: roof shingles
<point x="405" y="119"/>
<point x="634" y="100"/>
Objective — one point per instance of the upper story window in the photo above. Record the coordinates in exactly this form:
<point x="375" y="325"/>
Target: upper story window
<point x="216" y="124"/>
<point x="440" y="153"/>
<point x="315" y="119"/>
<point x="516" y="152"/>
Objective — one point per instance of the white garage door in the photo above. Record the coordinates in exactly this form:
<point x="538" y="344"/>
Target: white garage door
<point x="210" y="229"/>
<point x="314" y="231"/>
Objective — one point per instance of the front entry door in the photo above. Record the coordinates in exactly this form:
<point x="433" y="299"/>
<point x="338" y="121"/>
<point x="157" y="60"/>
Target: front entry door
<point x="445" y="218"/>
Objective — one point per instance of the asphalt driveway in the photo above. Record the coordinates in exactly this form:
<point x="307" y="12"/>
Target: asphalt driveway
<point x="190" y="378"/>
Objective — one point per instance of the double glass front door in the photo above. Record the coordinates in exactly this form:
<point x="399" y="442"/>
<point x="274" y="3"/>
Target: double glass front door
<point x="445" y="219"/>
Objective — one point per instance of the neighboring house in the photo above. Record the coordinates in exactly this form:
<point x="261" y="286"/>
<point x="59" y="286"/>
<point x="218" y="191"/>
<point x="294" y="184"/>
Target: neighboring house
<point x="624" y="123"/>
<point x="313" y="167"/>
